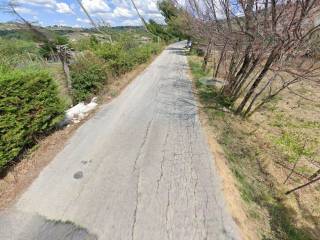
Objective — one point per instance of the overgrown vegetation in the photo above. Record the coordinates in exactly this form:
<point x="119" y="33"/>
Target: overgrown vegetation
<point x="124" y="55"/>
<point x="254" y="149"/>
<point x="90" y="70"/>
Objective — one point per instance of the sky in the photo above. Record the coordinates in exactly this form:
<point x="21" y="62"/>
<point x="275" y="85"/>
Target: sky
<point x="69" y="13"/>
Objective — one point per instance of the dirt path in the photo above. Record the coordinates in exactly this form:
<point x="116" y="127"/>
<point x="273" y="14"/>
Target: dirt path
<point x="139" y="169"/>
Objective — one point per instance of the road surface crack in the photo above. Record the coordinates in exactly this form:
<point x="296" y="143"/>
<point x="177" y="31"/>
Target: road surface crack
<point x="162" y="161"/>
<point x="142" y="145"/>
<point x="167" y="213"/>
<point x="136" y="208"/>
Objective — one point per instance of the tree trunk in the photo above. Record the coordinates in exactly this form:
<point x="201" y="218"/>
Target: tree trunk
<point x="216" y="71"/>
<point x="207" y="56"/>
<point x="256" y="82"/>
<point x="66" y="71"/>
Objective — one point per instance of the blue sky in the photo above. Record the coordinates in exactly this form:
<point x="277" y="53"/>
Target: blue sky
<point x="68" y="12"/>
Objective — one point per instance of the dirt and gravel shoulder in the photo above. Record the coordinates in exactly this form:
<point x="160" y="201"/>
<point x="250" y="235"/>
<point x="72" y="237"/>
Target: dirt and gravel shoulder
<point x="232" y="195"/>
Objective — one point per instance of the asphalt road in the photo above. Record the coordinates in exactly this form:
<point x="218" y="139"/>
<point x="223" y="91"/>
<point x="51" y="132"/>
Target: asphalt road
<point x="140" y="169"/>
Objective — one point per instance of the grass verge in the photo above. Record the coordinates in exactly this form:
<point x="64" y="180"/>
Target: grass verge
<point x="259" y="190"/>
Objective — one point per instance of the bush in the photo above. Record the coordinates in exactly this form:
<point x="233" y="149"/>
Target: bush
<point x="29" y="107"/>
<point x="85" y="43"/>
<point x="117" y="58"/>
<point x="89" y="71"/>
<point x="140" y="55"/>
<point x="144" y="52"/>
<point x="121" y="57"/>
<point x="89" y="74"/>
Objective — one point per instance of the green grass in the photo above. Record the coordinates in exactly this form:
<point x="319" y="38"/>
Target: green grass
<point x="207" y="93"/>
<point x="297" y="138"/>
<point x="197" y="70"/>
<point x="294" y="146"/>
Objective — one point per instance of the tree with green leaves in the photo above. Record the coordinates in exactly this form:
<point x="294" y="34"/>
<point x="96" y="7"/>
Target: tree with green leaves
<point x="172" y="14"/>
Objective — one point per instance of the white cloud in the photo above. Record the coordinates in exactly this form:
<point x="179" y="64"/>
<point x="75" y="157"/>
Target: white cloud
<point x="63" y="8"/>
<point x="152" y="7"/>
<point x="116" y="12"/>
<point x="154" y="16"/>
<point x="23" y="10"/>
<point x="38" y="2"/>
<point x="122" y="12"/>
<point x="83" y="20"/>
<point x="60" y="7"/>
<point x="96" y="6"/>
<point x="149" y="6"/>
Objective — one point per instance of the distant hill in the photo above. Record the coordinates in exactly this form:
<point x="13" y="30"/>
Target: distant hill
<point x="16" y="30"/>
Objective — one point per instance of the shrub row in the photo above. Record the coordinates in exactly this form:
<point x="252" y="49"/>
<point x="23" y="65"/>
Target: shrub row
<point x="121" y="59"/>
<point x="29" y="107"/>
<point x="89" y="70"/>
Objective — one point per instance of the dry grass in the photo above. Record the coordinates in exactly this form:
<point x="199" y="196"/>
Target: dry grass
<point x="288" y="125"/>
<point x="259" y="152"/>
<point x="56" y="70"/>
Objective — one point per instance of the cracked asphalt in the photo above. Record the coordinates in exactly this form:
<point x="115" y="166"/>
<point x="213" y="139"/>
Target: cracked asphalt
<point x="140" y="169"/>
